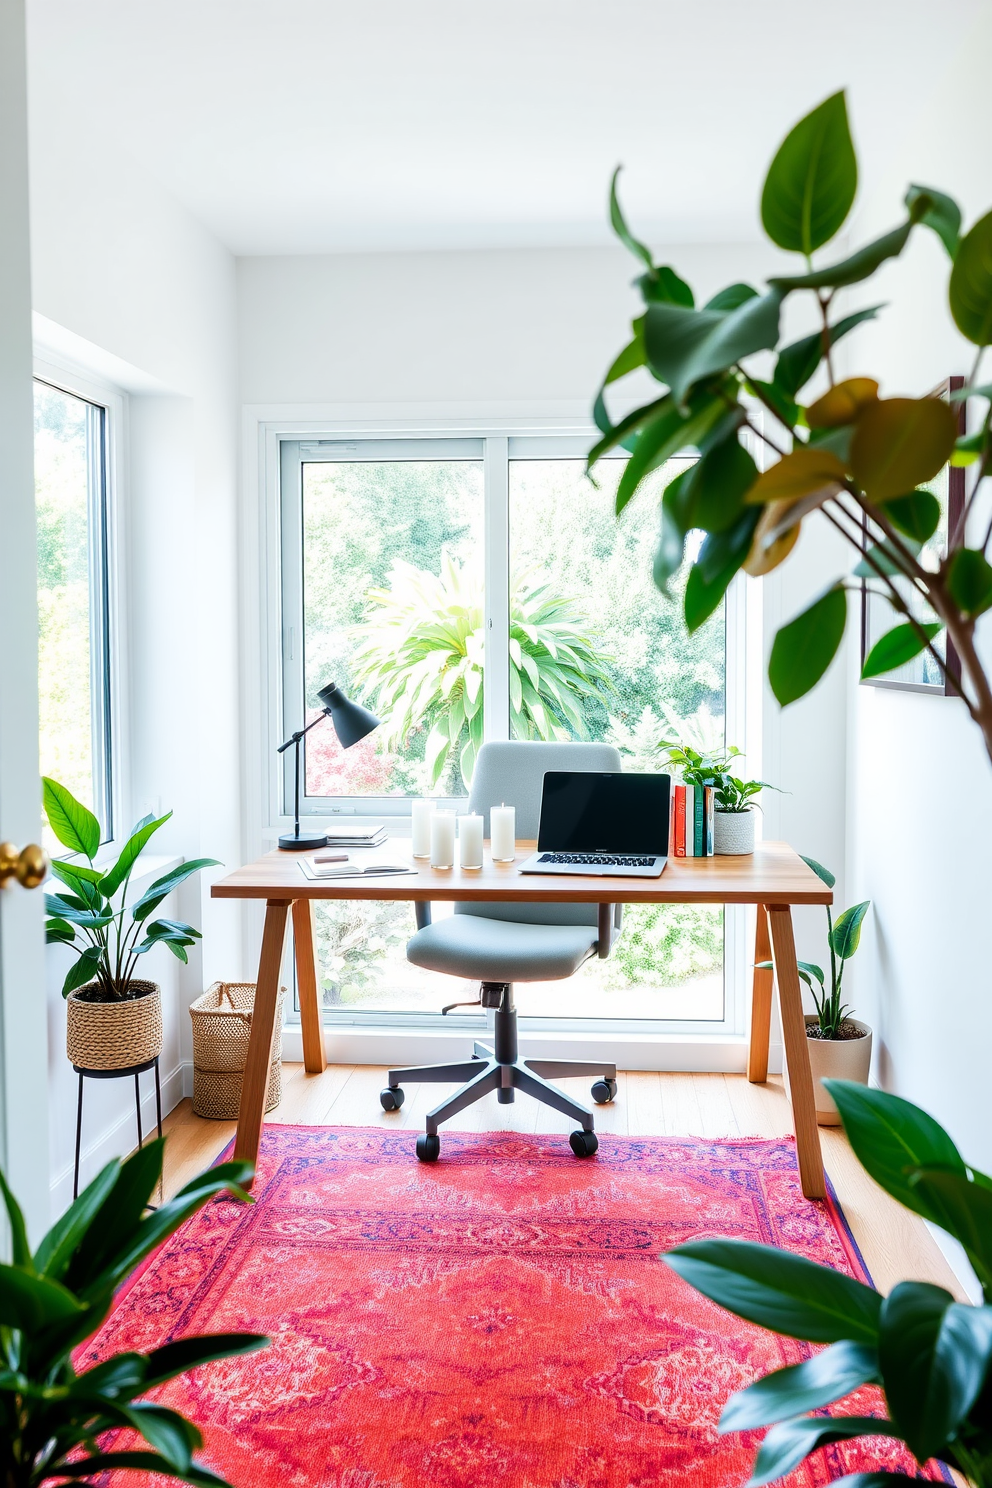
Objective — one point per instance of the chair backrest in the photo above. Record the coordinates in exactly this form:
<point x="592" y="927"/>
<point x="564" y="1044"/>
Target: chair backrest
<point x="513" y="774"/>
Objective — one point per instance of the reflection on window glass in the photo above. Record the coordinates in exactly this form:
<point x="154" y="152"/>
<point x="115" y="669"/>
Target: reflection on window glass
<point x="393" y="612"/>
<point x="71" y="671"/>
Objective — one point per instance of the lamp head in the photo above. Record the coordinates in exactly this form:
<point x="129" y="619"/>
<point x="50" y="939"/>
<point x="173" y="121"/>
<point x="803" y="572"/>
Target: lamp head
<point x="351" y="721"/>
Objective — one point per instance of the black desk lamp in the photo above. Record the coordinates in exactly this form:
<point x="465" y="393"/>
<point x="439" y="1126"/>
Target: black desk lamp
<point x="351" y="722"/>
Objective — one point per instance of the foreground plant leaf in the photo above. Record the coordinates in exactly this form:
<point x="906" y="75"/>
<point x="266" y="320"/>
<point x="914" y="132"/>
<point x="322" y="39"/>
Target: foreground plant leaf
<point x="896" y="647"/>
<point x="808" y="1386"/>
<point x="842" y="403"/>
<point x="812" y="181"/>
<point x="899" y="443"/>
<point x="970" y="290"/>
<point x="789" y="1442"/>
<point x="805" y="471"/>
<point x="803" y="649"/>
<point x="892" y="1138"/>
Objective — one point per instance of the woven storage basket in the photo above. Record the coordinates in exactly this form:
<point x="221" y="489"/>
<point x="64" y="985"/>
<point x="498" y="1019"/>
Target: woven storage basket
<point x="221" y="1028"/>
<point x="114" y="1035"/>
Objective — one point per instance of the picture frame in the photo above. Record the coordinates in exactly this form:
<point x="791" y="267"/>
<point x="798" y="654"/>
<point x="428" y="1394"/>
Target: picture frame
<point x="922" y="673"/>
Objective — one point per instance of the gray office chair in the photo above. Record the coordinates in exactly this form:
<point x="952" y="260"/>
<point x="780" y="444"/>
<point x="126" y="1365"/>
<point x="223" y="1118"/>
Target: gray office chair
<point x="500" y="944"/>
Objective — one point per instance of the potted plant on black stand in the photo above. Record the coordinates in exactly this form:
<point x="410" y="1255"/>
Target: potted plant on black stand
<point x="733" y="820"/>
<point x="114" y="1018"/>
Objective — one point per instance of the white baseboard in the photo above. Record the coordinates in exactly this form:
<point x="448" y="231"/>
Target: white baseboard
<point x="119" y="1137"/>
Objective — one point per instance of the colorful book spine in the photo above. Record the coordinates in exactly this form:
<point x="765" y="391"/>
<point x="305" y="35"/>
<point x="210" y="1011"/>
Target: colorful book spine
<point x="710" y="819"/>
<point x="678" y="829"/>
<point x="690" y="821"/>
<point x="699" y="822"/>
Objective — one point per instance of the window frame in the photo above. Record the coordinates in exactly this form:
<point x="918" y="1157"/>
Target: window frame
<point x="107" y="587"/>
<point x="280" y="573"/>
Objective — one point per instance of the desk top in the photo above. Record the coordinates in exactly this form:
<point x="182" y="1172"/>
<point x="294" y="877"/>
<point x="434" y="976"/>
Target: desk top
<point x="772" y="874"/>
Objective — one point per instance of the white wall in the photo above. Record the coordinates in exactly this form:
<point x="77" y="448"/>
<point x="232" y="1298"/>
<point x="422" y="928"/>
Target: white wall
<point x="126" y="281"/>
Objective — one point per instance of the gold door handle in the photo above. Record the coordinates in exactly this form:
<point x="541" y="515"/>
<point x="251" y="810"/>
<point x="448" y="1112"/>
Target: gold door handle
<point x="29" y="866"/>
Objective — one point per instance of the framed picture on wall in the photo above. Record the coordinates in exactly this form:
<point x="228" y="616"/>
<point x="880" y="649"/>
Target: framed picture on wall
<point x="922" y="674"/>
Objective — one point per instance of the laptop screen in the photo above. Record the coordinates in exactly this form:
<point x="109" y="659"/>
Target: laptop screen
<point x="586" y="811"/>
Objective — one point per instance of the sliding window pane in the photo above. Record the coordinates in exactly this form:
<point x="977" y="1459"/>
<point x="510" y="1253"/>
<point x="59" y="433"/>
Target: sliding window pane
<point x="598" y="653"/>
<point x="393" y="612"/>
<point x="72" y="582"/>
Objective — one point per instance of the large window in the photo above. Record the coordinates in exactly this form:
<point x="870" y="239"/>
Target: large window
<point x="73" y="597"/>
<point x="484" y="589"/>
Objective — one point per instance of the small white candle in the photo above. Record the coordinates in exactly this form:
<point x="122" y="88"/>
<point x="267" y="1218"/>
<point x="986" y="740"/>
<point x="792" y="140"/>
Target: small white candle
<point x="443" y="839"/>
<point x="470" y="841"/>
<point x="503" y="834"/>
<point x="420" y="817"/>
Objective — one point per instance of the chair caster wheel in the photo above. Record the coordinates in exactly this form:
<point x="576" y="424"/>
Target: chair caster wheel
<point x="583" y="1143"/>
<point x="429" y="1147"/>
<point x="391" y="1098"/>
<point x="603" y="1091"/>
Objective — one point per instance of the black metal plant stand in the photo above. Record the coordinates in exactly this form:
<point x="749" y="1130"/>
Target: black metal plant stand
<point x="115" y="1074"/>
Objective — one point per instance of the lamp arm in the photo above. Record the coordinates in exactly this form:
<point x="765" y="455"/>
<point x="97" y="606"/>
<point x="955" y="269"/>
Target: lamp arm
<point x="295" y="738"/>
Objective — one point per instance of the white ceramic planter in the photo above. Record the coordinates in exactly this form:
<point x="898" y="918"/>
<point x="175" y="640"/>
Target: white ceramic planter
<point x="733" y="832"/>
<point x="837" y="1059"/>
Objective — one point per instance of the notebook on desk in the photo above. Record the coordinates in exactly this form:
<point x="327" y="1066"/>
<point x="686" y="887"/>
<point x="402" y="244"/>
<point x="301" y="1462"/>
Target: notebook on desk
<point x="606" y="823"/>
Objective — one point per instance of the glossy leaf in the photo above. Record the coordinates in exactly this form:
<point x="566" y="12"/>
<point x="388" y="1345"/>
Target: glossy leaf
<point x="845" y="936"/>
<point x="163" y="887"/>
<point x="617" y="434"/>
<point x="718" y="484"/>
<point x="663" y="284"/>
<point x="823" y="874"/>
<point x="32" y="1303"/>
<point x="842" y="403"/>
<point x="933" y="1354"/>
<point x="892" y="1138"/>
<point x="83" y="971"/>
<point x="943" y="215"/>
<point x="76" y="876"/>
<point x="684" y="346"/>
<point x="670" y="552"/>
<point x="789" y="1442"/>
<point x="148" y="1462"/>
<point x="720" y="557"/>
<point x="805" y="471"/>
<point x="59" y="1245"/>
<point x="896" y="647"/>
<point x="916" y="515"/>
<point x="672" y="429"/>
<point x="811" y="970"/>
<point x="75" y="826"/>
<point x="797" y="363"/>
<point x="899" y="443"/>
<point x="969" y="581"/>
<point x="808" y="1386"/>
<point x="20" y="1250"/>
<point x="812" y="180"/>
<point x="963" y="1209"/>
<point x="731" y="297"/>
<point x="803" y="649"/>
<point x="970" y="289"/>
<point x="860" y="265"/>
<point x="780" y="1291"/>
<point x="189" y="1353"/>
<point x="59" y="932"/>
<point x="135" y="844"/>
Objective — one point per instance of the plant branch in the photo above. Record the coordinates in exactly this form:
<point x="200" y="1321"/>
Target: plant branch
<point x="824" y="303"/>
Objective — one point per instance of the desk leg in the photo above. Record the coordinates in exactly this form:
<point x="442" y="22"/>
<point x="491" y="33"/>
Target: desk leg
<point x="314" y="1058"/>
<point x="790" y="1004"/>
<point x="761" y="1004"/>
<point x="254" y="1085"/>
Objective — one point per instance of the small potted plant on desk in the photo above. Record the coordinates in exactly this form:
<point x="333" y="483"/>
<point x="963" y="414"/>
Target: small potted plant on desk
<point x="114" y="1019"/>
<point x="839" y="1045"/>
<point x="733" y="819"/>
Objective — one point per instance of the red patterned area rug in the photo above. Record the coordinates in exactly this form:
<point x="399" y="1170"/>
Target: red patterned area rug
<point x="500" y="1318"/>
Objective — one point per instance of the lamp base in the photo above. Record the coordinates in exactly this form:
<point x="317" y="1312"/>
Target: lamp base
<point x="302" y="841"/>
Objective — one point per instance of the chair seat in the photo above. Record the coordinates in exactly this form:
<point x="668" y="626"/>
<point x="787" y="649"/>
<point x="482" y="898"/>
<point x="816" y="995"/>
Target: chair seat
<point x="501" y="950"/>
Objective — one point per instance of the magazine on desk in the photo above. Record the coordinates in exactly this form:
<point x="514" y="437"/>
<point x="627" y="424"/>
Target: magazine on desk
<point x="359" y="868"/>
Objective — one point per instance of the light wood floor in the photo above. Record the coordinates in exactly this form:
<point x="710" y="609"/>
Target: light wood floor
<point x="895" y="1244"/>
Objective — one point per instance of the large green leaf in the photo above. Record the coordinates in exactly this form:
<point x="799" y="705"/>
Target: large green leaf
<point x="63" y="1239"/>
<point x="780" y="1291"/>
<point x="943" y="215"/>
<point x="614" y="434"/>
<point x="846" y="934"/>
<point x="934" y="1354"/>
<point x="803" y="649"/>
<point x="899" y="443"/>
<point x="73" y="824"/>
<point x="789" y="1442"/>
<point x="811" y="183"/>
<point x="797" y="363"/>
<point x="20" y="1250"/>
<point x="684" y="346"/>
<point x="822" y="873"/>
<point x="891" y="1138"/>
<point x="135" y="844"/>
<point x="971" y="283"/>
<point x="32" y="1303"/>
<point x="84" y="969"/>
<point x="969" y="581"/>
<point x="163" y="887"/>
<point x="916" y="514"/>
<point x="816" y="1382"/>
<point x="670" y="551"/>
<point x="718" y="483"/>
<point x="147" y="1462"/>
<point x="896" y="647"/>
<point x="188" y="1353"/>
<point x="731" y="297"/>
<point x="964" y="1209"/>
<point x="118" y="1218"/>
<point x="720" y="558"/>
<point x="853" y="270"/>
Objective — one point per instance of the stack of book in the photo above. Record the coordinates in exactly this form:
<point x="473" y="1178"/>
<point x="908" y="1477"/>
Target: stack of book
<point x="356" y="833"/>
<point x="693" y="809"/>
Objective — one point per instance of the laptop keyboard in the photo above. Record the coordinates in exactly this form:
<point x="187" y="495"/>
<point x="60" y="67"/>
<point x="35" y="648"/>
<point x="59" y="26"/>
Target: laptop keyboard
<point x="604" y="860"/>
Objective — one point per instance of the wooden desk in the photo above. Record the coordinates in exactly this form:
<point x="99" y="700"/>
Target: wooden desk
<point x="774" y="878"/>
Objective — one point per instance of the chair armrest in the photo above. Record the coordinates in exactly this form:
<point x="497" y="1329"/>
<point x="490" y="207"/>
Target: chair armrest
<point x="422" y="909"/>
<point x="607" y="924"/>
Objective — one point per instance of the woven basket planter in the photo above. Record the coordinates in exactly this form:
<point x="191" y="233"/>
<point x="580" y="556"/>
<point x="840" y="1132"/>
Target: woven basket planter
<point x="114" y="1035"/>
<point x="221" y="1029"/>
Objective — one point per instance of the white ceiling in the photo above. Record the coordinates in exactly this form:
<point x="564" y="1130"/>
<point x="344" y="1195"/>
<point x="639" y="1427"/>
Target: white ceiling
<point x="308" y="126"/>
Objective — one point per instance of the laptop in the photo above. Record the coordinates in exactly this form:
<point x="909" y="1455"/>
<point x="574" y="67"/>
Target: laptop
<point x="607" y="823"/>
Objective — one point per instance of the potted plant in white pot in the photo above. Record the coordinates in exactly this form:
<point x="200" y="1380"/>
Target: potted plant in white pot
<point x="839" y="1045"/>
<point x="114" y="1018"/>
<point x="733" y="820"/>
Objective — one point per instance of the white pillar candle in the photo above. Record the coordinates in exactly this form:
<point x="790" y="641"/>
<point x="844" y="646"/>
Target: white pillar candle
<point x="420" y="816"/>
<point x="503" y="834"/>
<point x="443" y="839"/>
<point x="470" y="841"/>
